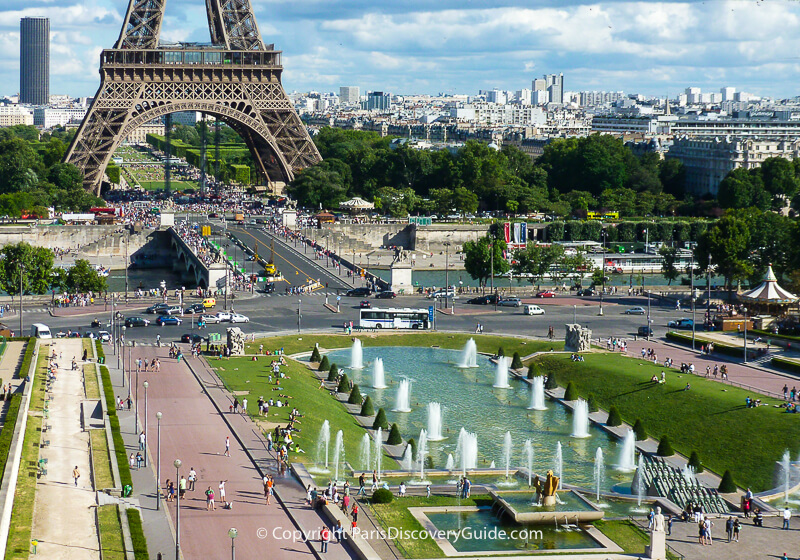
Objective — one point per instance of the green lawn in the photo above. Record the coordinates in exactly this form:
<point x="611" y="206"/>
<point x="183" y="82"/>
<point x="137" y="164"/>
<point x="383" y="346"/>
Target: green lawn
<point x="19" y="535"/>
<point x="242" y="374"/>
<point x="711" y="418"/>
<point x="485" y="343"/>
<point x="90" y="381"/>
<point x="174" y="184"/>
<point x="101" y="462"/>
<point x="627" y="535"/>
<point x="110" y="530"/>
<point x="397" y="515"/>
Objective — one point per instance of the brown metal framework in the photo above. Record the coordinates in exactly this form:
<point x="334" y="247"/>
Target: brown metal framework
<point x="238" y="80"/>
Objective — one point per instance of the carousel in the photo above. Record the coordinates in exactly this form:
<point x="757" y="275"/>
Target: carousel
<point x="769" y="292"/>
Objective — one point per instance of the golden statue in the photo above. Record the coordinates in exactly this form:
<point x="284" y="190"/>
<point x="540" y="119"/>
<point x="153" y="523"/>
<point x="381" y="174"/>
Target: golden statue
<point x="546" y="491"/>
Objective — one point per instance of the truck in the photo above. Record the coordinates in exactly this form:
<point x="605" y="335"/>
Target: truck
<point x="238" y="217"/>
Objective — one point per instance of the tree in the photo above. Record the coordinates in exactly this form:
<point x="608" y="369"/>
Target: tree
<point x="727" y="241"/>
<point x="673" y="176"/>
<point x="315" y="357"/>
<point x="533" y="371"/>
<point x="344" y="384"/>
<point x="535" y="260"/>
<point x="394" y="436"/>
<point x="355" y="396"/>
<point x="695" y="463"/>
<point x="318" y="185"/>
<point x="464" y="201"/>
<point x="324" y="364"/>
<point x="665" y="448"/>
<point x="571" y="393"/>
<point x="727" y="485"/>
<point x="668" y="268"/>
<point x="333" y="372"/>
<point x="380" y="420"/>
<point x="638" y="429"/>
<point x="516" y="361"/>
<point x="779" y="177"/>
<point x="551" y="382"/>
<point x="614" y="418"/>
<point x="367" y="408"/>
<point x="82" y="277"/>
<point x="478" y="258"/>
<point x="592" y="402"/>
<point x="33" y="264"/>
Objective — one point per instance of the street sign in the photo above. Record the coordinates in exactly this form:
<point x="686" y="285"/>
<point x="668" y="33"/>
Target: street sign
<point x="430" y="313"/>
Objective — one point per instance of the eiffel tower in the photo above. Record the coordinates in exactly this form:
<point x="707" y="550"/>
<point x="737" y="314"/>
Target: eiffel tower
<point x="236" y="79"/>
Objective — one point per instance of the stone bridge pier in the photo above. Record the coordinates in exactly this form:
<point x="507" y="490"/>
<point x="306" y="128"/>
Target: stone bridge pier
<point x="192" y="269"/>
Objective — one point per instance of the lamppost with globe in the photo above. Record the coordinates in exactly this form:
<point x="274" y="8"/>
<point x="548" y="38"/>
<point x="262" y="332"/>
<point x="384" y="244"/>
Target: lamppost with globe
<point x="158" y="462"/>
<point x="233" y="533"/>
<point x="177" y="464"/>
<point x="146" y="434"/>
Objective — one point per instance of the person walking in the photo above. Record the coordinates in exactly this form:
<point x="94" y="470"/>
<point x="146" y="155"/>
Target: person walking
<point x="142" y="441"/>
<point x="269" y="489"/>
<point x="736" y="527"/>
<point x="192" y="478"/>
<point x="227" y="446"/>
<point x="244" y="406"/>
<point x="210" y="499"/>
<point x="362" y="490"/>
<point x="787" y="515"/>
<point x="729" y="528"/>
<point x="324" y="537"/>
<point x="222" y="499"/>
<point x="76" y="474"/>
<point x="374" y="480"/>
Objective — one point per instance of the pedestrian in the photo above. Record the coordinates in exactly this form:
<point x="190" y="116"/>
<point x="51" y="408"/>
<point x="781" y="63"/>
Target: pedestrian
<point x="374" y="480"/>
<point x="139" y="459"/>
<point x="182" y="487"/>
<point x="76" y="474"/>
<point x="142" y="439"/>
<point x="787" y="515"/>
<point x="236" y="404"/>
<point x="222" y="499"/>
<point x="729" y="528"/>
<point x="227" y="446"/>
<point x="354" y="515"/>
<point x="736" y="528"/>
<point x="210" y="499"/>
<point x="269" y="489"/>
<point x="324" y="537"/>
<point x="244" y="406"/>
<point x="428" y="491"/>
<point x="132" y="460"/>
<point x="192" y="478"/>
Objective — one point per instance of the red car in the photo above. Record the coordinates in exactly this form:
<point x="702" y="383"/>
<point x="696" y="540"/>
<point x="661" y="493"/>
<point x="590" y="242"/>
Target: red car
<point x="365" y="304"/>
<point x="546" y="293"/>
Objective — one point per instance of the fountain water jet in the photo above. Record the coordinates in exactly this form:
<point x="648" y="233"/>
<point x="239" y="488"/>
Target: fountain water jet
<point x="357" y="355"/>
<point x="407" y="461"/>
<point x="537" y="394"/>
<point x="640" y="481"/>
<point x="422" y="452"/>
<point x="786" y="466"/>
<point x="599" y="471"/>
<point x="467" y="450"/>
<point x="435" y="422"/>
<point x="507" y="452"/>
<point x="529" y="460"/>
<point x="451" y="462"/>
<point x="469" y="355"/>
<point x="338" y="454"/>
<point x="501" y="373"/>
<point x="558" y="465"/>
<point x="627" y="455"/>
<point x="378" y="375"/>
<point x="403" y="402"/>
<point x="580" y="419"/>
<point x="364" y="453"/>
<point x="323" y="443"/>
<point x="378" y="442"/>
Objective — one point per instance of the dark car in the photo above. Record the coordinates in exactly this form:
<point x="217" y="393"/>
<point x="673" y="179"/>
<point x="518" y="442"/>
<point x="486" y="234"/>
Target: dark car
<point x="483" y="300"/>
<point x="192" y="338"/>
<point x="269" y="287"/>
<point x="587" y="292"/>
<point x="195" y="308"/>
<point x="358" y="292"/>
<point x="168" y="320"/>
<point x="157" y="308"/>
<point x="136" y="322"/>
<point x="645" y="331"/>
<point x="385" y="295"/>
<point x="365" y="304"/>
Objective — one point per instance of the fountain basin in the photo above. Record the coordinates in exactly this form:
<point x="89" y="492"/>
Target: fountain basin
<point x="573" y="508"/>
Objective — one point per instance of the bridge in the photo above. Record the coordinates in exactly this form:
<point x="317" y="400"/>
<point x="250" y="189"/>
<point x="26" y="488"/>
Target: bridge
<point x="191" y="266"/>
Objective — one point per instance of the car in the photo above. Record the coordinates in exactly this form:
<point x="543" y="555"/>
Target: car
<point x="209" y="319"/>
<point x="681" y="324"/>
<point x="358" y="292"/>
<point x="644" y="331"/>
<point x="438" y="294"/>
<point x="385" y="295"/>
<point x="635" y="311"/>
<point x="168" y="320"/>
<point x="105" y="336"/>
<point x="546" y="294"/>
<point x="171" y="310"/>
<point x="239" y="318"/>
<point x="269" y="287"/>
<point x="194" y="308"/>
<point x="587" y="292"/>
<point x="510" y="302"/>
<point x="365" y="304"/>
<point x="209" y="302"/>
<point x="157" y="308"/>
<point x="213" y="215"/>
<point x="136" y="322"/>
<point x="482" y="300"/>
<point x="533" y="310"/>
<point x="223" y="316"/>
<point x="192" y="338"/>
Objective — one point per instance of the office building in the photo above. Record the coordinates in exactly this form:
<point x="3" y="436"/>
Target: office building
<point x="555" y="87"/>
<point x="34" y="55"/>
<point x="378" y="101"/>
<point x="48" y="117"/>
<point x="12" y="115"/>
<point x="349" y="95"/>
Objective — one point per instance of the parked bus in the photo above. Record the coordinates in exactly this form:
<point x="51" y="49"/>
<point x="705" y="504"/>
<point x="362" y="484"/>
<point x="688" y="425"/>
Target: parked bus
<point x="394" y="319"/>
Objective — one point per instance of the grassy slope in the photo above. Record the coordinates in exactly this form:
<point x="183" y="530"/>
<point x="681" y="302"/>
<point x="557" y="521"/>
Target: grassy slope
<point x="316" y="404"/>
<point x="711" y="418"/>
<point x="90" y="382"/>
<point x="110" y="533"/>
<point x="101" y="463"/>
<point x="19" y="535"/>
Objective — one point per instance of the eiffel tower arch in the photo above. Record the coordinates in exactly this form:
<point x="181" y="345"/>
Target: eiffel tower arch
<point x="237" y="78"/>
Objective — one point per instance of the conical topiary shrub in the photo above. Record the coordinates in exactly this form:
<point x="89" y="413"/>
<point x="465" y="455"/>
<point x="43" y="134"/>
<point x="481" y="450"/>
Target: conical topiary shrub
<point x="501" y="352"/>
<point x="592" y="402"/>
<point x="695" y="463"/>
<point x="344" y="384"/>
<point x="516" y="361"/>
<point x="727" y="485"/>
<point x="665" y="447"/>
<point x="380" y="420"/>
<point x="367" y="408"/>
<point x="551" y="382"/>
<point x="571" y="394"/>
<point x="394" y="435"/>
<point x="333" y="373"/>
<point x="315" y="357"/>
<point x="614" y="418"/>
<point x="429" y="462"/>
<point x="355" y="396"/>
<point x="324" y="364"/>
<point x="638" y="429"/>
<point x="533" y="371"/>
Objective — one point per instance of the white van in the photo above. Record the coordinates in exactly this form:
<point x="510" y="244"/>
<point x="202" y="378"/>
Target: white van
<point x="40" y="330"/>
<point x="533" y="310"/>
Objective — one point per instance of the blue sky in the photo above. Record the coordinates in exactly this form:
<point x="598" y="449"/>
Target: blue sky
<point x="416" y="46"/>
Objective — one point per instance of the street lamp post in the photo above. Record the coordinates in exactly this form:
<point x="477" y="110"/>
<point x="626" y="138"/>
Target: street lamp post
<point x="233" y="533"/>
<point x="177" y="464"/>
<point x="158" y="462"/>
<point x="708" y="299"/>
<point x="745" y="334"/>
<point x="446" y="272"/>
<point x="603" y="270"/>
<point x="21" y="275"/>
<point x="299" y="313"/>
<point x="122" y="352"/>
<point x="649" y="321"/>
<point x="691" y="286"/>
<point x="136" y="400"/>
<point x="146" y="434"/>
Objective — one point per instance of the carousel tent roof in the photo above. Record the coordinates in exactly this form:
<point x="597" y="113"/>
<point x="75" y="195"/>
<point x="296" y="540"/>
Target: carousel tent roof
<point x="356" y="203"/>
<point x="769" y="291"/>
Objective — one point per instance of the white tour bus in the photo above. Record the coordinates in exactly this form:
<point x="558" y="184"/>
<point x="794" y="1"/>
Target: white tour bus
<point x="394" y="319"/>
<point x="40" y="330"/>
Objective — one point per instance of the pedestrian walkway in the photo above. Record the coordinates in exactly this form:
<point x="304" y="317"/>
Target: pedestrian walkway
<point x="63" y="518"/>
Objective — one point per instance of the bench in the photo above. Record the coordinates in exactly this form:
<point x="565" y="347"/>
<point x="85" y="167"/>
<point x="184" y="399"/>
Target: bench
<point x="363" y="329"/>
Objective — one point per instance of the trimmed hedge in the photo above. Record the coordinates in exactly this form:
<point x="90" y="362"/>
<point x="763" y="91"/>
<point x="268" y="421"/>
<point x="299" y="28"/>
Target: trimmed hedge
<point x="791" y="366"/>
<point x="7" y="434"/>
<point x="394" y="435"/>
<point x="324" y="364"/>
<point x="551" y="382"/>
<point x="137" y="535"/>
<point x="315" y="357"/>
<point x="695" y="463"/>
<point x="344" y="384"/>
<point x="501" y="352"/>
<point x="735" y="351"/>
<point x="533" y="371"/>
<point x="614" y="417"/>
<point x="638" y="429"/>
<point x="727" y="485"/>
<point x="27" y="358"/>
<point x="355" y="396"/>
<point x="333" y="373"/>
<point x="380" y="420"/>
<point x="108" y="391"/>
<point x="516" y="361"/>
<point x="665" y="447"/>
<point x="571" y="393"/>
<point x="119" y="451"/>
<point x="412" y="443"/>
<point x="382" y="496"/>
<point x="367" y="409"/>
<point x="592" y="402"/>
<point x="770" y="335"/>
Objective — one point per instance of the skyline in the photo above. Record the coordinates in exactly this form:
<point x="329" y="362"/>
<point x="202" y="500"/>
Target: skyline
<point x="636" y="47"/>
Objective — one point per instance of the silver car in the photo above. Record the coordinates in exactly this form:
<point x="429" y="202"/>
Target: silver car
<point x="510" y="302"/>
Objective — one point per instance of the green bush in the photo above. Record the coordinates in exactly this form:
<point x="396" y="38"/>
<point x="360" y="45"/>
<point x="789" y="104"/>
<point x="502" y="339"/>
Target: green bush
<point x="429" y="462"/>
<point x="695" y="463"/>
<point x="638" y="429"/>
<point x="501" y="352"/>
<point x="367" y="409"/>
<point x="98" y="346"/>
<point x="315" y="357"/>
<point x="516" y="361"/>
<point x="665" y="447"/>
<point x="786" y="365"/>
<point x="324" y="364"/>
<point x="592" y="402"/>
<point x="382" y="496"/>
<point x="571" y="393"/>
<point x="355" y="396"/>
<point x="108" y="391"/>
<point x="333" y="372"/>
<point x="412" y="443"/>
<point x="137" y="535"/>
<point x="25" y="367"/>
<point x="380" y="420"/>
<point x="119" y="451"/>
<point x="7" y="433"/>
<point x="344" y="384"/>
<point x="727" y="485"/>
<point x="394" y="435"/>
<point x="551" y="382"/>
<point x="614" y="418"/>
<point x="533" y="371"/>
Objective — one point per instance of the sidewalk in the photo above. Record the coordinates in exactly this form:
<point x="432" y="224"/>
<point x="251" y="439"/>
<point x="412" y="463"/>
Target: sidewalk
<point x="63" y="518"/>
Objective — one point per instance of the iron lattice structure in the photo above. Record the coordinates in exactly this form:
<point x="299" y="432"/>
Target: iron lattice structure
<point x="237" y="79"/>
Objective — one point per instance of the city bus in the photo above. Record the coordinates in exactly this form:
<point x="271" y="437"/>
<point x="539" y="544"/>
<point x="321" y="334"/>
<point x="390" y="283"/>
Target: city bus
<point x="394" y="319"/>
